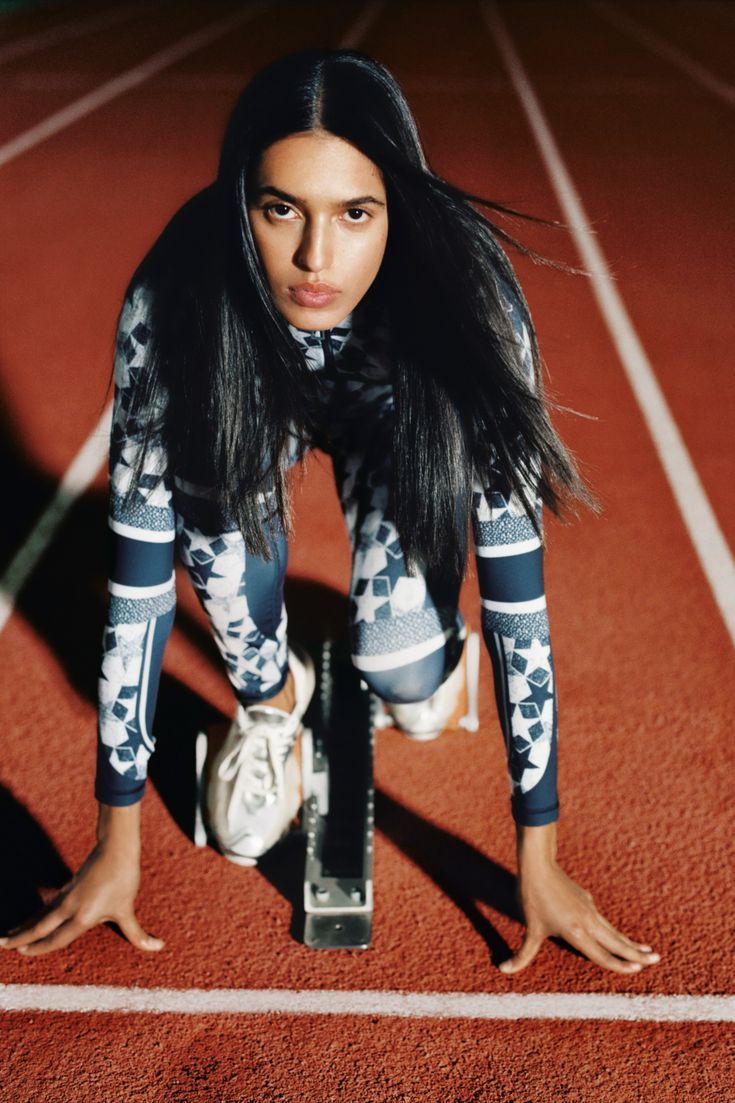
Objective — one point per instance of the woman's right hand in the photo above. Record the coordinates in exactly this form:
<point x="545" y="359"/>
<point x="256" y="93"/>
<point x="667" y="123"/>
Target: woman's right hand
<point x="103" y="889"/>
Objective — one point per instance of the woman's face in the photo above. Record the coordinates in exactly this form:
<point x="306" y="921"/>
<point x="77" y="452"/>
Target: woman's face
<point x="319" y="216"/>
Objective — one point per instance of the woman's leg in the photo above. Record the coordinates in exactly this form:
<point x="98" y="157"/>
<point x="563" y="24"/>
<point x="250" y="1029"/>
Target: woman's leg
<point x="405" y="630"/>
<point x="253" y="791"/>
<point x="242" y="595"/>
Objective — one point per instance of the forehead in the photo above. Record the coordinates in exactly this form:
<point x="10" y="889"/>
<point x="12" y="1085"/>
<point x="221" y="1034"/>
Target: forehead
<point x="314" y="164"/>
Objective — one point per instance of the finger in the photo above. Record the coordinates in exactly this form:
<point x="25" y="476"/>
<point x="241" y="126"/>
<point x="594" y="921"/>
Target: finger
<point x="592" y="949"/>
<point x="630" y="942"/>
<point x="36" y="930"/>
<point x="618" y="944"/>
<point x="62" y="936"/>
<point x="133" y="931"/>
<point x="530" y="946"/>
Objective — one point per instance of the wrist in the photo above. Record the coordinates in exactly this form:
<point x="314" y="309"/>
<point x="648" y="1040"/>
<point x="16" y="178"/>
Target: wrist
<point x="118" y="828"/>
<point x="536" y="845"/>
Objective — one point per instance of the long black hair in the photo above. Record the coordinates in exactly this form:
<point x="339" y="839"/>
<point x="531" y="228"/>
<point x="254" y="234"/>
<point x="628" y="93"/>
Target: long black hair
<point x="232" y="384"/>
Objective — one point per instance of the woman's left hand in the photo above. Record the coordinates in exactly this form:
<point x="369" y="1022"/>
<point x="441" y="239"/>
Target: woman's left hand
<point x="554" y="904"/>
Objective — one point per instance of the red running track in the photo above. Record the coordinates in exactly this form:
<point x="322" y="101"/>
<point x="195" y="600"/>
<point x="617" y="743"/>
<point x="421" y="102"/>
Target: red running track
<point x="644" y="662"/>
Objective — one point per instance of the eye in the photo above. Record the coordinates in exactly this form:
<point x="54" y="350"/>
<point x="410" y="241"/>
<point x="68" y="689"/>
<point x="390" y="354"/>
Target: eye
<point x="283" y="209"/>
<point x="358" y="211"/>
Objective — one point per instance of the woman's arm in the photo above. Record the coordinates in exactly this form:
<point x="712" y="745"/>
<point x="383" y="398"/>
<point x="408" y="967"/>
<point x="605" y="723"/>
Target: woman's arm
<point x="142" y="595"/>
<point x="102" y="890"/>
<point x="554" y="904"/>
<point x="516" y="631"/>
<point x="139" y="616"/>
<point x="515" y="627"/>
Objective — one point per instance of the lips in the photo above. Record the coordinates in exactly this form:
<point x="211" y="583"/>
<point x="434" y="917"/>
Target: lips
<point x="314" y="294"/>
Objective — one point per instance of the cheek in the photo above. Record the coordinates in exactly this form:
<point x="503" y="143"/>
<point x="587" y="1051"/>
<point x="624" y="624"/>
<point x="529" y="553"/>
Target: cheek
<point x="371" y="256"/>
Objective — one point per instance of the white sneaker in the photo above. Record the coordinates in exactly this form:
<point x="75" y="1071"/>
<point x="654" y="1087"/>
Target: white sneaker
<point x="254" y="790"/>
<point x="454" y="705"/>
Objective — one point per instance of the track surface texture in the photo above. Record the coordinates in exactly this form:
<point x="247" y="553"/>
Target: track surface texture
<point x="643" y="658"/>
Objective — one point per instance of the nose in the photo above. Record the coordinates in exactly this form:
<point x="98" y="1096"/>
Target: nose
<point x="315" y="250"/>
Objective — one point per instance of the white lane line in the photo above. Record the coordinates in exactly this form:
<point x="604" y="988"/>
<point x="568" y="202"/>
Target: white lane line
<point x="407" y="1005"/>
<point x="131" y="78"/>
<point x="64" y="32"/>
<point x="699" y="518"/>
<point x="78" y="477"/>
<point x="663" y="49"/>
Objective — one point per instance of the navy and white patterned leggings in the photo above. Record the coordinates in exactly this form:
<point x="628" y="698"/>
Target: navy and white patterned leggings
<point x="404" y="634"/>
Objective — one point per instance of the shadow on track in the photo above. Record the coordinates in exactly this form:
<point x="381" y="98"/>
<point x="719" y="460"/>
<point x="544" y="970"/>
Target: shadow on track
<point x="463" y="873"/>
<point x="30" y="863"/>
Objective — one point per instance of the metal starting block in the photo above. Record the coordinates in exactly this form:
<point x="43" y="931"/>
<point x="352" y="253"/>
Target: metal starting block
<point x="338" y="813"/>
<point x="339" y="805"/>
<point x="338" y="810"/>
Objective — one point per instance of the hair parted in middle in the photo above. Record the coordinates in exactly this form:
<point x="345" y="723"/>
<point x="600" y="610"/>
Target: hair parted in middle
<point x="225" y="381"/>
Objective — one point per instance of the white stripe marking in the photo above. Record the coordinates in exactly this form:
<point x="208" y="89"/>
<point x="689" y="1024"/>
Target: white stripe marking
<point x="535" y="605"/>
<point x="139" y="593"/>
<point x="402" y="657"/>
<point x="409" y="1005"/>
<point x="658" y="45"/>
<point x="131" y="78"/>
<point x="148" y="536"/>
<point x="143" y="697"/>
<point x="697" y="513"/>
<point x="500" y="551"/>
<point x="63" y="32"/>
<point x="78" y="477"/>
<point x="507" y="724"/>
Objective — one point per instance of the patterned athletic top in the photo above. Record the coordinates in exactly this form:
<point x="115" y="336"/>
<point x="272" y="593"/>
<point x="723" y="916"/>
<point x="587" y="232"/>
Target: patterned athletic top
<point x="356" y="366"/>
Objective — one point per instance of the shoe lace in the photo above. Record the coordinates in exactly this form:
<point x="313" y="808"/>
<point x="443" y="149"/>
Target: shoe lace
<point x="256" y="764"/>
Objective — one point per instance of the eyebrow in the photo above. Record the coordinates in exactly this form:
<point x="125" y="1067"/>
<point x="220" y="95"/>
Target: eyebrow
<point x="359" y="201"/>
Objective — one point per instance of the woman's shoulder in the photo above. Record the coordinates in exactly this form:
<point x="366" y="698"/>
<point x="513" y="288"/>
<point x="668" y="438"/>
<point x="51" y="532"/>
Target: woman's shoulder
<point x="511" y="298"/>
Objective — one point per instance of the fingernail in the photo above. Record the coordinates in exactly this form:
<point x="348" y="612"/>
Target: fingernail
<point x="654" y="957"/>
<point x="22" y="949"/>
<point x="646" y="949"/>
<point x="154" y="943"/>
<point x="635" y="966"/>
<point x="3" y="941"/>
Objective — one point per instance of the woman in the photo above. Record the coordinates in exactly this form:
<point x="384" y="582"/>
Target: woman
<point x="329" y="289"/>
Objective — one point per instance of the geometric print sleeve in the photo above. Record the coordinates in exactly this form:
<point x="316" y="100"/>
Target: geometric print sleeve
<point x="515" y="627"/>
<point x="142" y="596"/>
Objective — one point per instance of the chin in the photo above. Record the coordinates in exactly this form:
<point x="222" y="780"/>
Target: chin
<point x="304" y="317"/>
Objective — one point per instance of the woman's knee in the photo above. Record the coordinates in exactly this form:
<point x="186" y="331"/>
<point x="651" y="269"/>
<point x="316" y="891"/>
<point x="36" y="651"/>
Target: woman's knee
<point x="234" y="586"/>
<point x="403" y="685"/>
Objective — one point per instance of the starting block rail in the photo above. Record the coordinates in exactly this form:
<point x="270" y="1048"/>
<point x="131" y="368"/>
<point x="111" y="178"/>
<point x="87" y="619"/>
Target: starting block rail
<point x="339" y="805"/>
